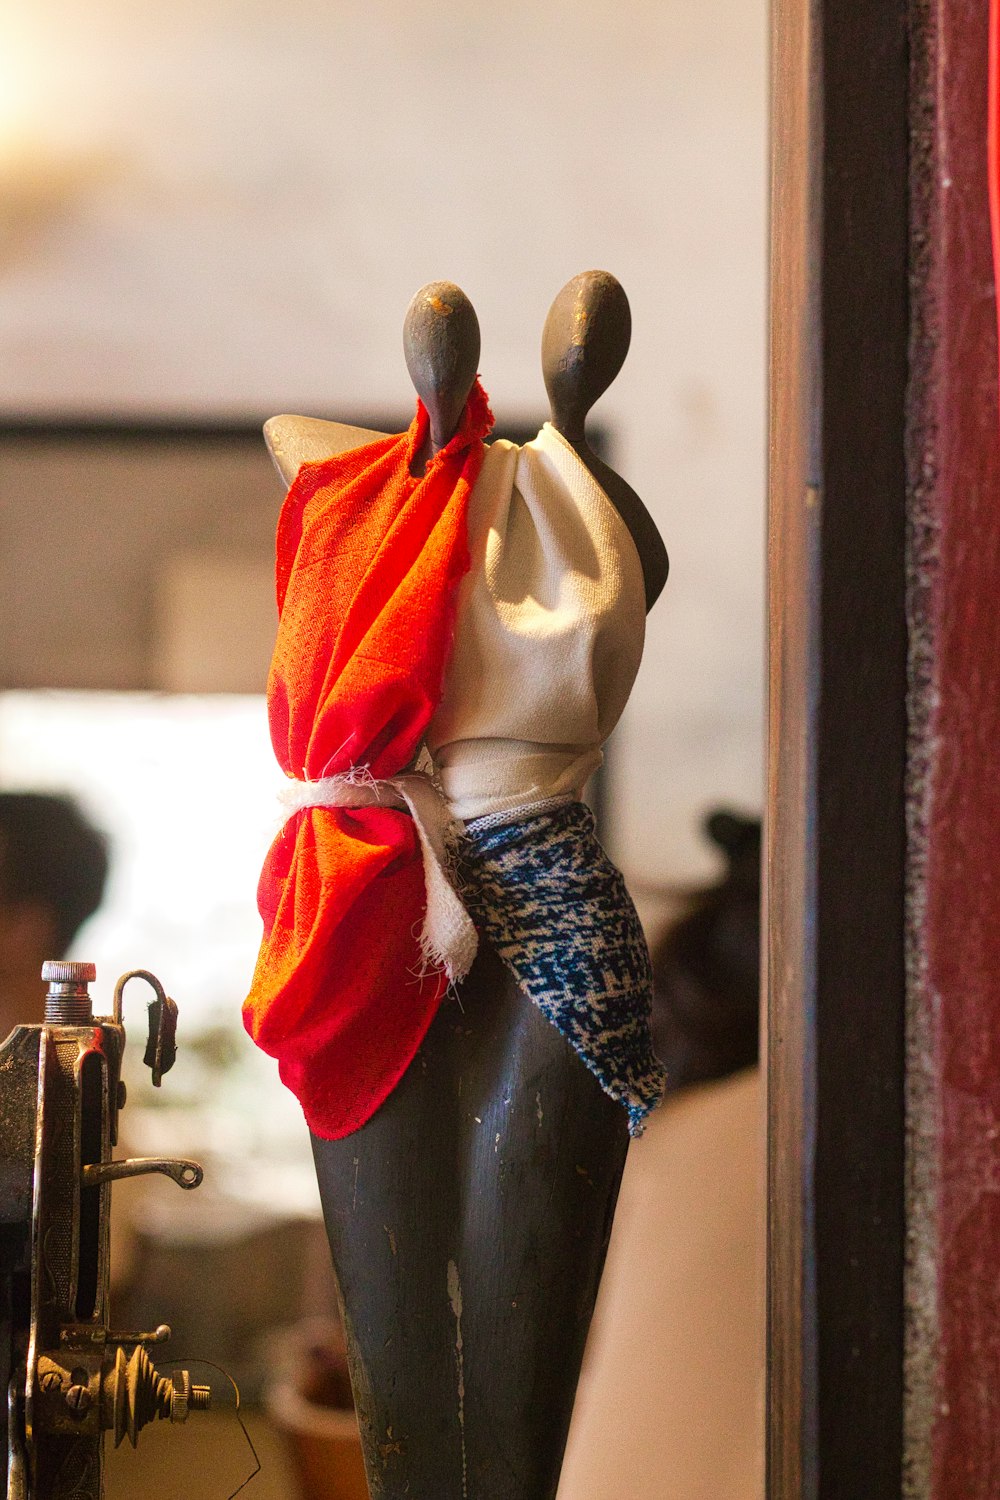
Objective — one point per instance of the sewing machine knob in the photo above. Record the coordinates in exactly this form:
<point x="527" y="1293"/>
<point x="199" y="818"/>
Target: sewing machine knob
<point x="58" y="972"/>
<point x="67" y="1002"/>
<point x="134" y="1393"/>
<point x="186" y="1397"/>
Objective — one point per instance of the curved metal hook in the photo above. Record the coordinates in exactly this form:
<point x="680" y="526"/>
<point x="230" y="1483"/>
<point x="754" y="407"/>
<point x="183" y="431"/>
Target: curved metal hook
<point x="161" y="1044"/>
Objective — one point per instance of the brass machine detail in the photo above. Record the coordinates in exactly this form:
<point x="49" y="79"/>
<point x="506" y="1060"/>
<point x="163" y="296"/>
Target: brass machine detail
<point x="70" y="1377"/>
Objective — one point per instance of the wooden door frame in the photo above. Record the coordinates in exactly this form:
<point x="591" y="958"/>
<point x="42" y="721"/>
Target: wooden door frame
<point x="836" y="844"/>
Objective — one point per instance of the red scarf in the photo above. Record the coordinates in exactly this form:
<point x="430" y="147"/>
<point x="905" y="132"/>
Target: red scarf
<point x="368" y="564"/>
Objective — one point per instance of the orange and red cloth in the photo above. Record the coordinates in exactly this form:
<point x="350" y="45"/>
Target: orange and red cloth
<point x="369" y="559"/>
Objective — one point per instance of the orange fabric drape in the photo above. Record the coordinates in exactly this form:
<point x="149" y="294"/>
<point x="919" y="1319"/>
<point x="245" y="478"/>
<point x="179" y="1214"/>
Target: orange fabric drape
<point x="369" y="560"/>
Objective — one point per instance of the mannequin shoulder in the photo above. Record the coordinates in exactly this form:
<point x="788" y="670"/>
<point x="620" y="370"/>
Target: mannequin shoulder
<point x="648" y="542"/>
<point x="294" y="441"/>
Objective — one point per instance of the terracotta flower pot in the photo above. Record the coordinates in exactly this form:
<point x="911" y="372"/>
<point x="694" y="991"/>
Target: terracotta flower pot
<point x="309" y="1403"/>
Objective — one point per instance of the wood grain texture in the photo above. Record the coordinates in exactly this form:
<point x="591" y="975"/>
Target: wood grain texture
<point x="789" y="970"/>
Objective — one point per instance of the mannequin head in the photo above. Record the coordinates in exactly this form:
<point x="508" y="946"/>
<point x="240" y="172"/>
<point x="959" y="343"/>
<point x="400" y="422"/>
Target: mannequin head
<point x="441" y="344"/>
<point x="584" y="344"/>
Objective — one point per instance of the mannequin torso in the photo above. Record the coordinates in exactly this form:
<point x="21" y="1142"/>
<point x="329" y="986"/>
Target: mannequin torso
<point x="469" y="1217"/>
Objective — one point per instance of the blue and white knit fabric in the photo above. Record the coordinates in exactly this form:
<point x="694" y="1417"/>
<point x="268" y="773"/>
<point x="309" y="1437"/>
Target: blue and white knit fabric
<point x="544" y="893"/>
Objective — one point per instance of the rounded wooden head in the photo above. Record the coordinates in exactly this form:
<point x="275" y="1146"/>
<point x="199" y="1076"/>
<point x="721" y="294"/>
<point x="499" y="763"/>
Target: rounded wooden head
<point x="441" y="344"/>
<point x="584" y="344"/>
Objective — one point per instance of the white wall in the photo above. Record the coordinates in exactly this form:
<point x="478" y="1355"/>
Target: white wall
<point x="223" y="206"/>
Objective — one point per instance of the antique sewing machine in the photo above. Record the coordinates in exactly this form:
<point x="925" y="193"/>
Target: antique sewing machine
<point x="69" y="1376"/>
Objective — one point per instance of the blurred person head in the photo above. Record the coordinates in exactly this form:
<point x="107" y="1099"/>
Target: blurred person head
<point x="706" y="966"/>
<point x="53" y="866"/>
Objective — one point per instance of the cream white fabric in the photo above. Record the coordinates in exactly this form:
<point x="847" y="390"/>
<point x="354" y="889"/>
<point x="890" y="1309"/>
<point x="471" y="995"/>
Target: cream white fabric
<point x="549" y="633"/>
<point x="448" y="939"/>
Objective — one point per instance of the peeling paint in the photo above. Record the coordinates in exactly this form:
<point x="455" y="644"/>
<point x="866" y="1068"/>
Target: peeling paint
<point x="390" y="1446"/>
<point x="539" y="1113"/>
<point x="455" y="1298"/>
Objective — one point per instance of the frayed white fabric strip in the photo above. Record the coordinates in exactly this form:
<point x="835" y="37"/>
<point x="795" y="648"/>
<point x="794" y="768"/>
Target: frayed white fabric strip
<point x="448" y="939"/>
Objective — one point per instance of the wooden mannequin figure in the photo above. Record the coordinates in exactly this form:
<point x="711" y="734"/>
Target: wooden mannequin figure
<point x="469" y="1217"/>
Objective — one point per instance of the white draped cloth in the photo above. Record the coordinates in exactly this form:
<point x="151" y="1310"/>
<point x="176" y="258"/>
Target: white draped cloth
<point x="549" y="633"/>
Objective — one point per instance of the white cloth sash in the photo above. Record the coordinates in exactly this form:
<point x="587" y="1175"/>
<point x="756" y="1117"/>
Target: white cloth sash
<point x="448" y="938"/>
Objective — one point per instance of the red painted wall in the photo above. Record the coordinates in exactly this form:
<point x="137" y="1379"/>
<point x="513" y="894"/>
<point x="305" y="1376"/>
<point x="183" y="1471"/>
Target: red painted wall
<point x="961" y="925"/>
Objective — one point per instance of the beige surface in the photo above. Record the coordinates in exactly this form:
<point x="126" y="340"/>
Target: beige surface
<point x="126" y="537"/>
<point x="206" y="1459"/>
<point x="671" y="1401"/>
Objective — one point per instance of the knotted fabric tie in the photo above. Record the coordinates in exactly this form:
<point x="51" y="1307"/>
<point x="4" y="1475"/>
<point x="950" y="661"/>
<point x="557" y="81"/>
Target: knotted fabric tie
<point x="362" y="930"/>
<point x="448" y="938"/>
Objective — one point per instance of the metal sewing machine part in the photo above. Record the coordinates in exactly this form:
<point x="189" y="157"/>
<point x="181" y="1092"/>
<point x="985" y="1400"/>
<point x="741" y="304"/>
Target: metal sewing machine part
<point x="68" y="1376"/>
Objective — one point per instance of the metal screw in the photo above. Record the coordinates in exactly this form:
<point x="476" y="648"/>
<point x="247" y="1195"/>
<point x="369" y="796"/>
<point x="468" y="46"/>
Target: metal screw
<point x="49" y="1380"/>
<point x="78" y="1399"/>
<point x="68" y="1002"/>
<point x="185" y="1397"/>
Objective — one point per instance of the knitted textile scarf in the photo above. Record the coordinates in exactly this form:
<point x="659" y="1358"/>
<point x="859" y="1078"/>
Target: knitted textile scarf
<point x="369" y="560"/>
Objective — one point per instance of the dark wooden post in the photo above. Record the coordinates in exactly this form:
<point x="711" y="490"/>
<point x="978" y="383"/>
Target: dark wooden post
<point x="835" y="838"/>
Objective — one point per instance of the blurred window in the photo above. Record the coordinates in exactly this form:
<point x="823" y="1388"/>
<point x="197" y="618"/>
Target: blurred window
<point x="185" y="787"/>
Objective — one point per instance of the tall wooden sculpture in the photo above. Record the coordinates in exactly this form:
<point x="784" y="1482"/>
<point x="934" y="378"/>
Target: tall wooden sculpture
<point x="469" y="1148"/>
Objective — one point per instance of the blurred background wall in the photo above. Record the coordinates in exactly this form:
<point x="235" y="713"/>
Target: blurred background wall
<point x="215" y="210"/>
<point x="222" y="207"/>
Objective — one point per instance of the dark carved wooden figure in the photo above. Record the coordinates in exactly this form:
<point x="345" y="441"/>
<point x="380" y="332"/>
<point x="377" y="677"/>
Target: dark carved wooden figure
<point x="469" y="1218"/>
